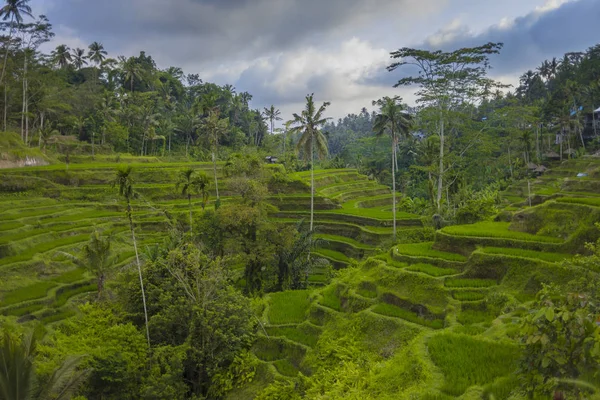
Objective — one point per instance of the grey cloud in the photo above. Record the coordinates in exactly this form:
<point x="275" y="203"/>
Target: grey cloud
<point x="528" y="40"/>
<point x="206" y="30"/>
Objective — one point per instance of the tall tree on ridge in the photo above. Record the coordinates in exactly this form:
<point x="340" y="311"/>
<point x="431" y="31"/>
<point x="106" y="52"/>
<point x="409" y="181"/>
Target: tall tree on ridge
<point x="13" y="10"/>
<point x="62" y="56"/>
<point x="272" y="114"/>
<point x="79" y="58"/>
<point x="447" y="80"/>
<point x="124" y="181"/>
<point x="191" y="182"/>
<point x="312" y="140"/>
<point x="394" y="121"/>
<point x="215" y="127"/>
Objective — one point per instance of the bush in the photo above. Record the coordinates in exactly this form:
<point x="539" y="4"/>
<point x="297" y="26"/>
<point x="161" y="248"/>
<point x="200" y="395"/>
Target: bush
<point x="475" y="206"/>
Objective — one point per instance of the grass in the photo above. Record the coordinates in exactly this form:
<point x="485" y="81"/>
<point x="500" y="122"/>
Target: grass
<point x="23" y="310"/>
<point x="425" y="250"/>
<point x="301" y="334"/>
<point x="44" y="247"/>
<point x="588" y="201"/>
<point x="468" y="296"/>
<point x="431" y="270"/>
<point x="333" y="255"/>
<point x="31" y="292"/>
<point x="285" y="368"/>
<point x="331" y="299"/>
<point x="465" y="361"/>
<point x="65" y="293"/>
<point x="288" y="307"/>
<point x="496" y="230"/>
<point x="71" y="276"/>
<point x="472" y="283"/>
<point x="343" y="239"/>
<point x="516" y="252"/>
<point x="397" y="312"/>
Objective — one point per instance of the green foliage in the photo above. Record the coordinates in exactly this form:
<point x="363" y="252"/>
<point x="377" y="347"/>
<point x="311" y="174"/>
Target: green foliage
<point x="468" y="296"/>
<point x="32" y="292"/>
<point x="560" y="335"/>
<point x="425" y="250"/>
<point x="471" y="283"/>
<point x="431" y="270"/>
<point x="288" y="307"/>
<point x="330" y="298"/>
<point x="398" y="312"/>
<point x="465" y="361"/>
<point x="496" y="230"/>
<point x="476" y="206"/>
<point x="516" y="252"/>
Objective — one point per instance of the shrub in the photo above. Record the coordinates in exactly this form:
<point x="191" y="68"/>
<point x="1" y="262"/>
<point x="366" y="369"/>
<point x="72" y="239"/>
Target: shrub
<point x="331" y="299"/>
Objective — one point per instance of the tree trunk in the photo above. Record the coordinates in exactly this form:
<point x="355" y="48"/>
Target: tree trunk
<point x="190" y="207"/>
<point x="5" y="107"/>
<point x="93" y="140"/>
<point x="100" y="285"/>
<point x="394" y="181"/>
<point x="312" y="180"/>
<point x="562" y="135"/>
<point x="510" y="163"/>
<point x="12" y="21"/>
<point x="214" y="159"/>
<point x="441" y="175"/>
<point x="41" y="130"/>
<point x="537" y="143"/>
<point x="139" y="265"/>
<point x="581" y="137"/>
<point x="594" y="121"/>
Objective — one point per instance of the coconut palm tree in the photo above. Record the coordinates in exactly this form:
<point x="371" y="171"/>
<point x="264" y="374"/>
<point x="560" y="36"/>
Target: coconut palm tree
<point x="96" y="257"/>
<point x="191" y="182"/>
<point x="307" y="123"/>
<point x="392" y="120"/>
<point x="131" y="70"/>
<point x="18" y="380"/>
<point x="79" y="58"/>
<point x="214" y="128"/>
<point x="13" y="10"/>
<point x="272" y="115"/>
<point x="62" y="56"/>
<point x="124" y="181"/>
<point x="96" y="53"/>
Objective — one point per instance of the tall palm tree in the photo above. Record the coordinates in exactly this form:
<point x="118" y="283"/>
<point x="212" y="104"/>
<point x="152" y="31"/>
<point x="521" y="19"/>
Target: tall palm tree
<point x="79" y="58"/>
<point x="96" y="53"/>
<point x="131" y="70"/>
<point x="62" y="56"/>
<point x="307" y="123"/>
<point x="215" y="127"/>
<point x="187" y="125"/>
<point x="124" y="181"/>
<point x="394" y="121"/>
<point x="272" y="115"/>
<point x="13" y="10"/>
<point x="18" y="379"/>
<point x="96" y="257"/>
<point x="191" y="182"/>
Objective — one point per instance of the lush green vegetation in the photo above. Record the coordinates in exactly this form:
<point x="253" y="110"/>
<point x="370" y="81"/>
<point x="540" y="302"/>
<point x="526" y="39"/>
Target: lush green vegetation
<point x="152" y="252"/>
<point x="465" y="361"/>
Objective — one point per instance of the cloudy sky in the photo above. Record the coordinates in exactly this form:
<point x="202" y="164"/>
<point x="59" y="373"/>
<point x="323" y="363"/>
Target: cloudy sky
<point x="280" y="50"/>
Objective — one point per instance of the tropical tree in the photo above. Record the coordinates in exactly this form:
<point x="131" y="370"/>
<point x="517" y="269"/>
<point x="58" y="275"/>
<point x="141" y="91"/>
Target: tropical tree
<point x="131" y="70"/>
<point x="61" y="56"/>
<point x="124" y="181"/>
<point x="272" y="115"/>
<point x="312" y="140"/>
<point x="79" y="58"/>
<point x="96" y="53"/>
<point x="215" y="127"/>
<point x="96" y="257"/>
<point x="18" y="378"/>
<point x="13" y="10"/>
<point x="394" y="121"/>
<point x="191" y="182"/>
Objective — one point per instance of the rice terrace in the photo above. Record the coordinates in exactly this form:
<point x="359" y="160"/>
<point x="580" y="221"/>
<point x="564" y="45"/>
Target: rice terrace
<point x="164" y="236"/>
